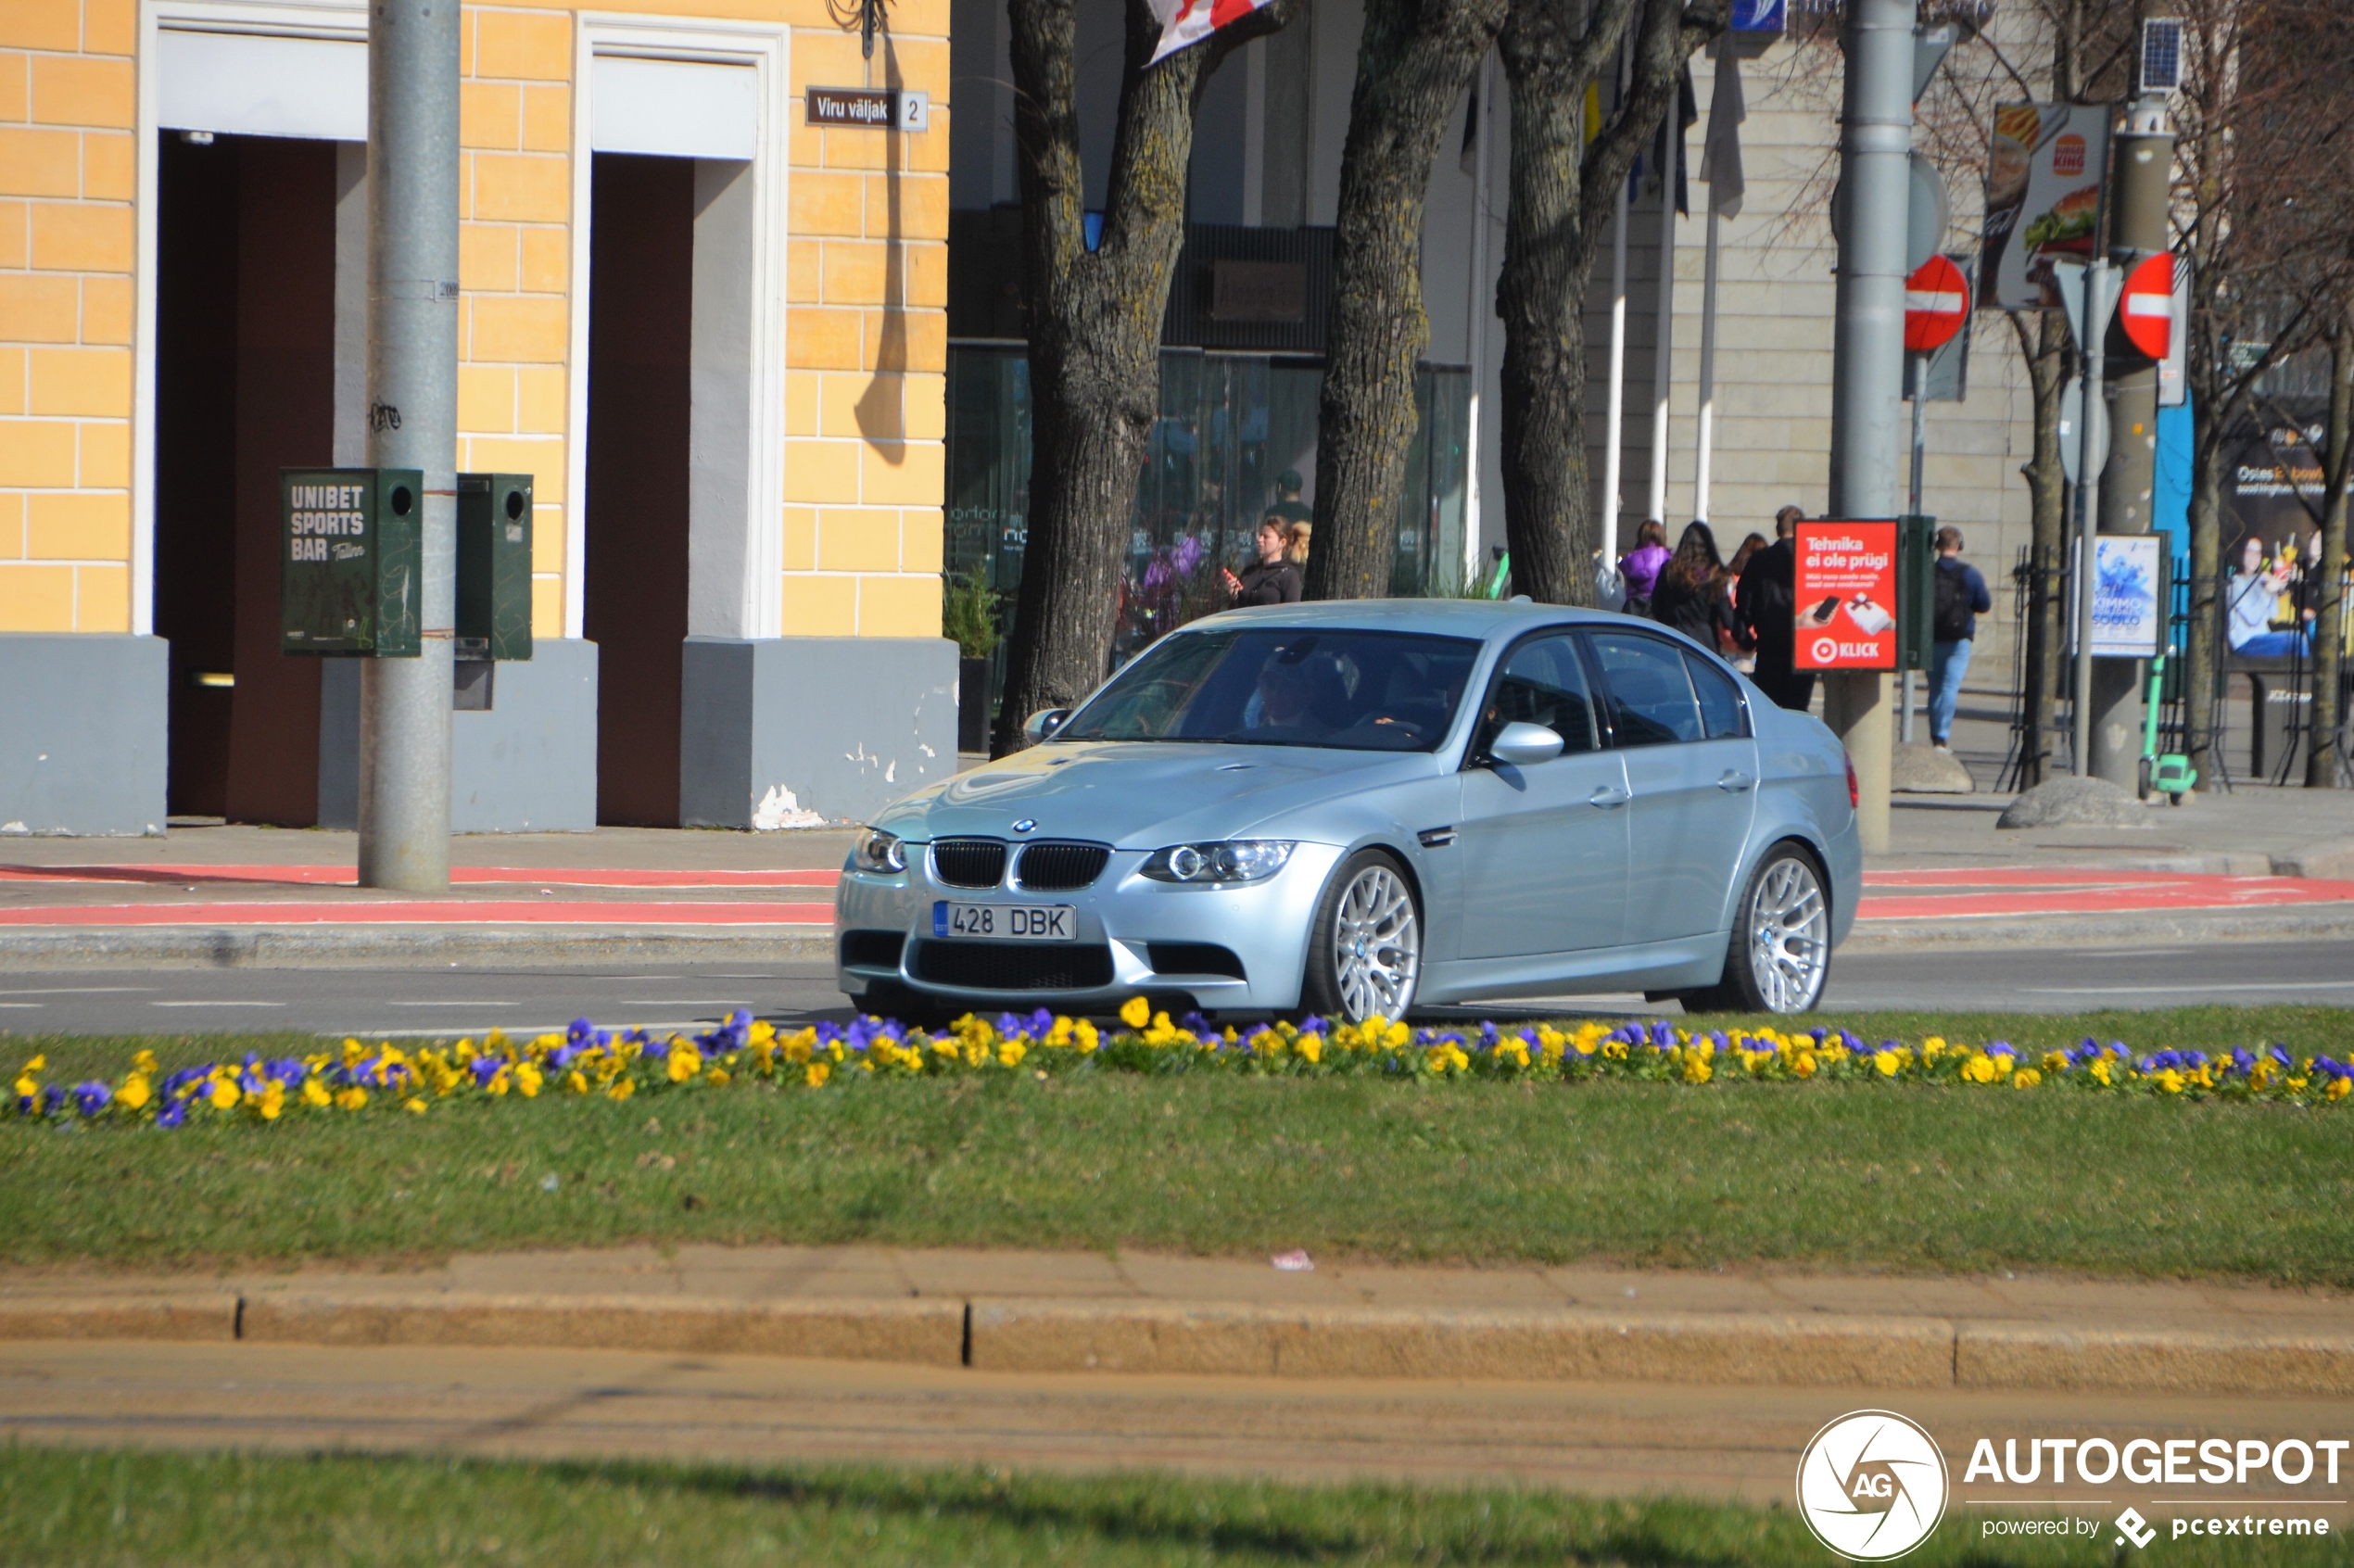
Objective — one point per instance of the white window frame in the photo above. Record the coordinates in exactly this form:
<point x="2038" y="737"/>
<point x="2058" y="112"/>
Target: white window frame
<point x="339" y="19"/>
<point x="768" y="50"/>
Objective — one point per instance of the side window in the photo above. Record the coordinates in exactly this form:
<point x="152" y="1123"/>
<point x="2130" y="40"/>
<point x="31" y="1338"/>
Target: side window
<point x="1720" y="699"/>
<point x="1543" y="683"/>
<point x="1648" y="691"/>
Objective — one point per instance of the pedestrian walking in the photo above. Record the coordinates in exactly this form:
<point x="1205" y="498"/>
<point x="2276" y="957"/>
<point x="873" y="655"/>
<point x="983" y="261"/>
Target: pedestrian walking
<point x="1640" y="567"/>
<point x="1271" y="579"/>
<point x="1691" y="595"/>
<point x="1766" y="607"/>
<point x="1961" y="599"/>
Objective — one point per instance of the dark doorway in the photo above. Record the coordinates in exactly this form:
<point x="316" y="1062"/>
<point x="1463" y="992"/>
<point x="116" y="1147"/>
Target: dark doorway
<point x="245" y="384"/>
<point x="641" y="245"/>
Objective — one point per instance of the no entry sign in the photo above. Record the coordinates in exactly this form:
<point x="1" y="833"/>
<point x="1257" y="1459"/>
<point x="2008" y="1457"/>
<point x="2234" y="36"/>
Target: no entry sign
<point x="1846" y="596"/>
<point x="1936" y="304"/>
<point x="2146" y="307"/>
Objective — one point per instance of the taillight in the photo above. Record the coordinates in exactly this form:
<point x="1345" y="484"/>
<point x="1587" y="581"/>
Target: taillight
<point x="1855" y="790"/>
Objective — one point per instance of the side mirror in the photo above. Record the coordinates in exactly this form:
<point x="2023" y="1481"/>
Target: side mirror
<point x="1524" y="745"/>
<point x="1042" y="724"/>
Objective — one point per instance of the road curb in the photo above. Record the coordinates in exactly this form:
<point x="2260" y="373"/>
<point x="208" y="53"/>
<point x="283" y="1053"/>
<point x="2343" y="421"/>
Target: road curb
<point x="302" y="947"/>
<point x="921" y="1333"/>
<point x="1214" y="1339"/>
<point x="210" y="1315"/>
<point x="2305" y="923"/>
<point x="1552" y="1345"/>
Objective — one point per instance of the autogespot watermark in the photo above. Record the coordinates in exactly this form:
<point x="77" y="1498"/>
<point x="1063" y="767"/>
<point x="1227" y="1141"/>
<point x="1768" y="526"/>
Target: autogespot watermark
<point x="1873" y="1484"/>
<point x="2308" y="1465"/>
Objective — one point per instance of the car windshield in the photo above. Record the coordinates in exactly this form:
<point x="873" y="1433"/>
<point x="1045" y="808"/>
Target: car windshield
<point x="1285" y="686"/>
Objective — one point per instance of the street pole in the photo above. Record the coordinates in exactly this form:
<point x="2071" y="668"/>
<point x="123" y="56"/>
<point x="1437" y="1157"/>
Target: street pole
<point x="2091" y="437"/>
<point x="1476" y="309"/>
<point x="413" y="423"/>
<point x="1920" y="445"/>
<point x="1867" y="356"/>
<point x="2138" y="231"/>
<point x="1663" y="335"/>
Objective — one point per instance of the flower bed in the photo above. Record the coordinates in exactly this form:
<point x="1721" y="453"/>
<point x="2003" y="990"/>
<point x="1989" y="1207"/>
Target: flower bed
<point x="619" y="1064"/>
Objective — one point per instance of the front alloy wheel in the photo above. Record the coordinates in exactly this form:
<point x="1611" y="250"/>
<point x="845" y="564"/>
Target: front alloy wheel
<point x="1365" y="950"/>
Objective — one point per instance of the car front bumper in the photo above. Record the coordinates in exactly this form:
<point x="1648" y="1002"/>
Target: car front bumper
<point x="1132" y="935"/>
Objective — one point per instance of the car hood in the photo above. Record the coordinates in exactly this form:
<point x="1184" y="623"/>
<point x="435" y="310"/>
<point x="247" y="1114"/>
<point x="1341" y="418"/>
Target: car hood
<point x="1145" y="795"/>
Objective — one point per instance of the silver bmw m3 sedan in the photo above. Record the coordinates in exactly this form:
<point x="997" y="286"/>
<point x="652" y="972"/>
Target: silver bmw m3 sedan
<point x="1360" y="807"/>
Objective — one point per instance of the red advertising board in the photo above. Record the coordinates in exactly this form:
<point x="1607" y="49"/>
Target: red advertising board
<point x="1846" y="596"/>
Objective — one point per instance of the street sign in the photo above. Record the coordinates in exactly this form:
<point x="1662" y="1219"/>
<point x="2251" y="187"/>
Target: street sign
<point x="350" y="561"/>
<point x="2171" y="385"/>
<point x="1946" y="379"/>
<point x="1936" y="305"/>
<point x="1846" y="596"/>
<point x="2146" y="310"/>
<point x="868" y="109"/>
<point x="1928" y="210"/>
<point x="2068" y="276"/>
<point x="2070" y="436"/>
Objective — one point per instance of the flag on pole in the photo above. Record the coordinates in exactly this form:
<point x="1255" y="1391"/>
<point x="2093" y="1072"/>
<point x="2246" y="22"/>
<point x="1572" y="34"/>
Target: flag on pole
<point x="1720" y="155"/>
<point x="1185" y="23"/>
<point x="1681" y="116"/>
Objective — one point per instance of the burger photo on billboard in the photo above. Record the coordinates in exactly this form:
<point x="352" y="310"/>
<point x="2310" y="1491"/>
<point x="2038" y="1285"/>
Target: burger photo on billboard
<point x="2067" y="231"/>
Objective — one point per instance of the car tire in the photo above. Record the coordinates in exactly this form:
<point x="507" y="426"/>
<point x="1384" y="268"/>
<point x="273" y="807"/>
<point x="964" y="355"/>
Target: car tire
<point x="1365" y="943"/>
<point x="1780" y="954"/>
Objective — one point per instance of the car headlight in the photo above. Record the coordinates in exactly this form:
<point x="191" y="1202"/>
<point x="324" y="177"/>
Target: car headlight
<point x="878" y="852"/>
<point x="1237" y="860"/>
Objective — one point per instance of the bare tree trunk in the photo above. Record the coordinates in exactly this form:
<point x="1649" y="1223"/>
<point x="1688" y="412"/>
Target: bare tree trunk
<point x="1563" y="191"/>
<point x="1095" y="330"/>
<point x="2049" y="355"/>
<point x="2321" y="747"/>
<point x="1415" y="61"/>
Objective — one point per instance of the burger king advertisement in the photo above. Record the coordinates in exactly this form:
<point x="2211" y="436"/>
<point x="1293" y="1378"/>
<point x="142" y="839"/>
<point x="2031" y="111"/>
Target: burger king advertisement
<point x="2043" y="176"/>
<point x="1846" y="596"/>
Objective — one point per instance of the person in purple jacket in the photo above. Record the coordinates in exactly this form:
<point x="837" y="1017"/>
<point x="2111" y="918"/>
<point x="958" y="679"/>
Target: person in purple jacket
<point x="1641" y="566"/>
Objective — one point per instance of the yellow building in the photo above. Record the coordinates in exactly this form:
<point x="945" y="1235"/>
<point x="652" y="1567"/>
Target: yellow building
<point x="712" y="332"/>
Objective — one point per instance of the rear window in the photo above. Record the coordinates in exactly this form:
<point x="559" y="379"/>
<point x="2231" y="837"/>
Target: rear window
<point x="1285" y="686"/>
<point x="1651" y="695"/>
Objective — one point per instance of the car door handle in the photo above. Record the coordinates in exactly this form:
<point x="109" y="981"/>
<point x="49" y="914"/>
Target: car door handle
<point x="1734" y="781"/>
<point x="1609" y="797"/>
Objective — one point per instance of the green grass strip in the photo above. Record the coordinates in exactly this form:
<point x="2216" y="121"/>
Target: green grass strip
<point x="1856" y="1174"/>
<point x="127" y="1509"/>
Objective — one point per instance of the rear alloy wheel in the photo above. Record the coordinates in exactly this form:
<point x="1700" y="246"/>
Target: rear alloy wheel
<point x="1365" y="945"/>
<point x="1780" y="951"/>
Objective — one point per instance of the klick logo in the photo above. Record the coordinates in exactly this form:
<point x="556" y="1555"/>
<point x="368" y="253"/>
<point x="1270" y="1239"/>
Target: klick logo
<point x="1871" y="1486"/>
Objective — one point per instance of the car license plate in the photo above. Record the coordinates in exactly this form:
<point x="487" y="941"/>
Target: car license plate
<point x="1006" y="922"/>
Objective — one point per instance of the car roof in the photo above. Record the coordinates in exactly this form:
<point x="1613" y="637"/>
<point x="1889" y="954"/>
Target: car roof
<point x="1483" y="618"/>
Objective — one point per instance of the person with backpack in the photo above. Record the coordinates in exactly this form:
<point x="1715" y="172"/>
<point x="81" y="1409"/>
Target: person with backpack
<point x="1961" y="599"/>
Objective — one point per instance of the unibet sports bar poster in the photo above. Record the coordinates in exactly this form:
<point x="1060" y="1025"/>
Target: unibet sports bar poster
<point x="1846" y="596"/>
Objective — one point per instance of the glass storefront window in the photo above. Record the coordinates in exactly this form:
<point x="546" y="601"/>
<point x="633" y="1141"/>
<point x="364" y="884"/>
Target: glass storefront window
<point x="1230" y="427"/>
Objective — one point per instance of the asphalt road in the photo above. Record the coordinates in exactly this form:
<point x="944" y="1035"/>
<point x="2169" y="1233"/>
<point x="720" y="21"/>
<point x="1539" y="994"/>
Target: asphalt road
<point x="451" y="1001"/>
